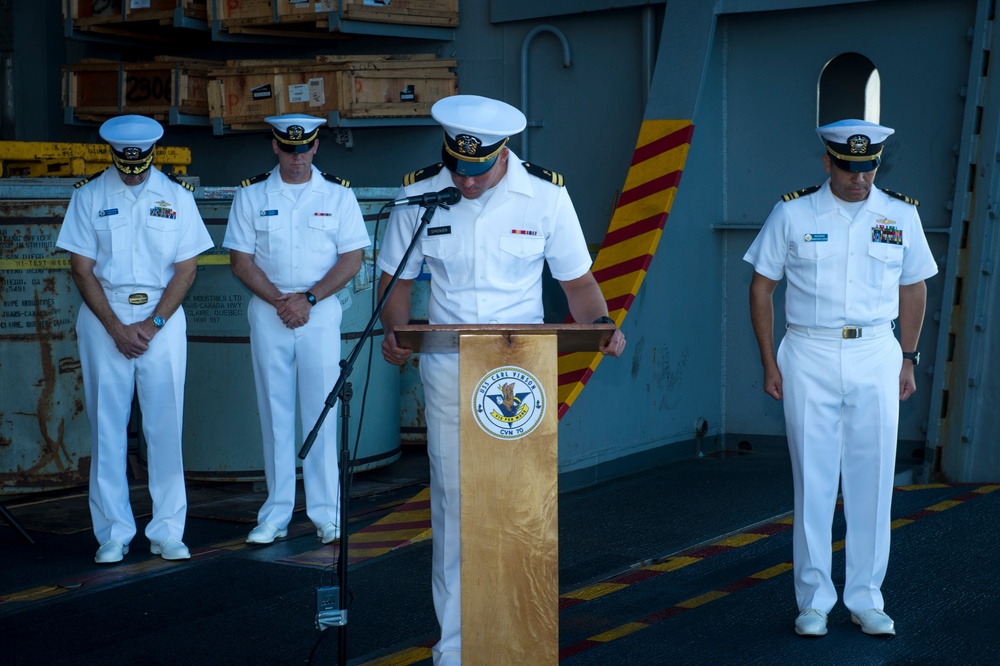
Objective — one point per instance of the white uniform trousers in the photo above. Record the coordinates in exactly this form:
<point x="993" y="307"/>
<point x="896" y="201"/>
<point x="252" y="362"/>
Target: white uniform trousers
<point x="110" y="381"/>
<point x="439" y="376"/>
<point x="308" y="359"/>
<point x="841" y="402"/>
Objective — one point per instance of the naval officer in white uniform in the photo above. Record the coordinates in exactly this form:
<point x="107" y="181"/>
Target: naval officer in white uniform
<point x="295" y="237"/>
<point x="134" y="235"/>
<point x="855" y="259"/>
<point x="485" y="256"/>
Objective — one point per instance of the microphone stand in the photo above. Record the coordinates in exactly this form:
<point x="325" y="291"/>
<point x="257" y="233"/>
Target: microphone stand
<point x="327" y="616"/>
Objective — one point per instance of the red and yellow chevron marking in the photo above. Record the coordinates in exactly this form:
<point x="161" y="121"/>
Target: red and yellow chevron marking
<point x="634" y="233"/>
<point x="410" y="523"/>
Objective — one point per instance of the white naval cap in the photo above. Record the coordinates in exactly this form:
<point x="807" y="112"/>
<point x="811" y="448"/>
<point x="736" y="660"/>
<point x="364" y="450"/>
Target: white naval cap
<point x="854" y="145"/>
<point x="295" y="132"/>
<point x="475" y="131"/>
<point x="131" y="138"/>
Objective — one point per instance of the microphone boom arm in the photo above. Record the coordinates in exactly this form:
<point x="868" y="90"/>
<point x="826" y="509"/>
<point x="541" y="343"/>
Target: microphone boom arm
<point x="347" y="365"/>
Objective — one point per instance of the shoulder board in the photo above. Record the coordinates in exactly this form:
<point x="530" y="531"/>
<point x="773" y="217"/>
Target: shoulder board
<point x="186" y="185"/>
<point x="901" y="197"/>
<point x="256" y="179"/>
<point x="337" y="179"/>
<point x="89" y="178"/>
<point x="544" y="174"/>
<point x="421" y="174"/>
<point x="799" y="193"/>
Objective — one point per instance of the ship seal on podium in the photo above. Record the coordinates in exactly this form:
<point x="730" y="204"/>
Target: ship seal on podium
<point x="508" y="402"/>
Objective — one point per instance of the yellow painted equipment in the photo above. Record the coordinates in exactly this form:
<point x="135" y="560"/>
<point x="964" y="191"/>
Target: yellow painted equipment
<point x="35" y="159"/>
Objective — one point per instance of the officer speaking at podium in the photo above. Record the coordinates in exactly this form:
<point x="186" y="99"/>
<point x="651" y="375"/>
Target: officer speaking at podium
<point x="485" y="254"/>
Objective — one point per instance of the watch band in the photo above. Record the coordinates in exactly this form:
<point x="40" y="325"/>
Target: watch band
<point x="311" y="298"/>
<point x="913" y="356"/>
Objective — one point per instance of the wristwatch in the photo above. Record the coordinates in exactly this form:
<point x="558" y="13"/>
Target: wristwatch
<point x="604" y="320"/>
<point x="913" y="356"/>
<point x="158" y="321"/>
<point x="311" y="298"/>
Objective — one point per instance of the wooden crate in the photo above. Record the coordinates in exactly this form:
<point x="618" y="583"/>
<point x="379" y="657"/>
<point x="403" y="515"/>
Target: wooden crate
<point x="245" y="92"/>
<point x="99" y="89"/>
<point x="369" y="93"/>
<point x="243" y="96"/>
<point x="442" y="13"/>
<point x="88" y="13"/>
<point x="236" y="13"/>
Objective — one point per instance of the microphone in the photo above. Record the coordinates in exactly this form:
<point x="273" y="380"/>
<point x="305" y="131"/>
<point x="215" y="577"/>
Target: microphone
<point x="449" y="196"/>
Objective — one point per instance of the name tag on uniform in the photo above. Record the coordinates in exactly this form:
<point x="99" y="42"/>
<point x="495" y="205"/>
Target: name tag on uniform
<point x="816" y="238"/>
<point x="109" y="211"/>
<point x="438" y="231"/>
<point x="268" y="213"/>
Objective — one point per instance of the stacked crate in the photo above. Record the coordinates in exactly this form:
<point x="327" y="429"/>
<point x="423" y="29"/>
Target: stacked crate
<point x="239" y="15"/>
<point x="99" y="89"/>
<point x="94" y="14"/>
<point x="243" y="93"/>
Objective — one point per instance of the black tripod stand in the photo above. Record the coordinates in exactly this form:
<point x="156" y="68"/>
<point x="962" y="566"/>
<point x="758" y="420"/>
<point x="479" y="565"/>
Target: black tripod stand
<point x="12" y="521"/>
<point x="327" y="615"/>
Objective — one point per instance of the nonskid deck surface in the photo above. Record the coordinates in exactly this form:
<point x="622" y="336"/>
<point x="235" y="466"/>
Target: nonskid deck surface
<point x="685" y="563"/>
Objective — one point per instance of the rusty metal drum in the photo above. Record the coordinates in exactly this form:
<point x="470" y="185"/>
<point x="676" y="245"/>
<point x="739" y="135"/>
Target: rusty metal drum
<point x="44" y="431"/>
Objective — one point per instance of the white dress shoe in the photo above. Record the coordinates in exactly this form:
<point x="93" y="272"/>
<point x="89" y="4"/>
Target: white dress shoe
<point x="111" y="552"/>
<point x="266" y="533"/>
<point x="875" y="622"/>
<point x="811" y="622"/>
<point x="171" y="549"/>
<point x="328" y="533"/>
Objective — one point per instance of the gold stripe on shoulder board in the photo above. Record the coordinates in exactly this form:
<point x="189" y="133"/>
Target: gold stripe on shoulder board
<point x="544" y="174"/>
<point x="901" y="197"/>
<point x="799" y="193"/>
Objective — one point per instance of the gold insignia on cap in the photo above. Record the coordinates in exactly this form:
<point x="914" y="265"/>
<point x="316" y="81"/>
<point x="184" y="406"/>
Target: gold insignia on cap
<point x="468" y="144"/>
<point x="296" y="132"/>
<point x="858" y="144"/>
<point x="132" y="153"/>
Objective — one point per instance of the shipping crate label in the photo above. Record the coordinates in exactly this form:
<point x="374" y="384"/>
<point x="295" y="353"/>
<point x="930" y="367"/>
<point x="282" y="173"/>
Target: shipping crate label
<point x="376" y="3"/>
<point x="298" y="93"/>
<point x="261" y="92"/>
<point x="148" y="88"/>
<point x="138" y="4"/>
<point x="317" y="97"/>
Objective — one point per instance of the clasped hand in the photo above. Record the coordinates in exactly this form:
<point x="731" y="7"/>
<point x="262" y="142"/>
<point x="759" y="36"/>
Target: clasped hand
<point x="293" y="309"/>
<point x="132" y="340"/>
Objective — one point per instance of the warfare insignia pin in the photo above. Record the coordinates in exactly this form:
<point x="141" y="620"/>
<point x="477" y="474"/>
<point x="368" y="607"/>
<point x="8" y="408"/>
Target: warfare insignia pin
<point x="296" y="132"/>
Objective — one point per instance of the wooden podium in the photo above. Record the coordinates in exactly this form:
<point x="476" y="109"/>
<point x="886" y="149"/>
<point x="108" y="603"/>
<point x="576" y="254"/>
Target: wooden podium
<point x="508" y="463"/>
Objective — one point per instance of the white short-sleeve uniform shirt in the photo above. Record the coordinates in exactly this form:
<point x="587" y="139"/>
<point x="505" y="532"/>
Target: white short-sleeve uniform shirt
<point x="295" y="240"/>
<point x="842" y="272"/>
<point x="134" y="241"/>
<point x="486" y="255"/>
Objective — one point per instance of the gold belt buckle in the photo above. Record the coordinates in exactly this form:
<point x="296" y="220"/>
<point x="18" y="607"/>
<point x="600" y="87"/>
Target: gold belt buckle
<point x="851" y="332"/>
<point x="141" y="299"/>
